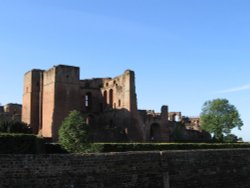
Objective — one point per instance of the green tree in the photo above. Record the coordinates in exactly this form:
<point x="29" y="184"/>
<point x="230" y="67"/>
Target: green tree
<point x="219" y="117"/>
<point x="73" y="133"/>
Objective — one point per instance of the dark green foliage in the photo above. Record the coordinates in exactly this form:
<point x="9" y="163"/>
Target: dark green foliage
<point x="20" y="144"/>
<point x="119" y="147"/>
<point x="12" y="126"/>
<point x="231" y="138"/>
<point x="218" y="117"/>
<point x="74" y="134"/>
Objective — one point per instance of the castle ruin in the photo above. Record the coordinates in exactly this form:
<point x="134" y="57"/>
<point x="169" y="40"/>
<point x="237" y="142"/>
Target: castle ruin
<point x="109" y="106"/>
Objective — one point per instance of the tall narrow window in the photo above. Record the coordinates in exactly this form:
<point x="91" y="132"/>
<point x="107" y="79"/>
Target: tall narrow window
<point x="119" y="103"/>
<point x="88" y="101"/>
<point x="105" y="97"/>
<point x="111" y="98"/>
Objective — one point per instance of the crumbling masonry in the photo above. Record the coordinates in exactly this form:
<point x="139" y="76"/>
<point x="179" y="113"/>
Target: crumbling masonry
<point x="109" y="106"/>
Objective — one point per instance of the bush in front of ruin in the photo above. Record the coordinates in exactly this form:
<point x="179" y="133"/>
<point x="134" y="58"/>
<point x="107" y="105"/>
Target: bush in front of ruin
<point x="74" y="134"/>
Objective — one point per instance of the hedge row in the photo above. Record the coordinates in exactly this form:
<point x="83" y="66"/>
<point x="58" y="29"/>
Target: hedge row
<point x="21" y="144"/>
<point x="118" y="147"/>
<point x="31" y="144"/>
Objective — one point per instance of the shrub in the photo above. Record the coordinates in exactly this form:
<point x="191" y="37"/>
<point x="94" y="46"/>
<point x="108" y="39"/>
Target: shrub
<point x="74" y="134"/>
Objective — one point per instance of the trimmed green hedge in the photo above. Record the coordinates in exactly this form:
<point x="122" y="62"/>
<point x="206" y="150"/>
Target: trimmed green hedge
<point x="118" y="147"/>
<point x="31" y="144"/>
<point x="21" y="144"/>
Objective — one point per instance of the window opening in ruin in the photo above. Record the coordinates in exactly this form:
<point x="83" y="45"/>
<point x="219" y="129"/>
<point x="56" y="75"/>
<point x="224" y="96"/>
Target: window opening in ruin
<point x="107" y="84"/>
<point x="155" y="132"/>
<point x="177" y="118"/>
<point x="111" y="97"/>
<point x="119" y="103"/>
<point x="88" y="101"/>
<point x="173" y="116"/>
<point x="105" y="97"/>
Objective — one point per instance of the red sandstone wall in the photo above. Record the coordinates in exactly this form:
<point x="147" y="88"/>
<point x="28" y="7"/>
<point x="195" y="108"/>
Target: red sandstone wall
<point x="123" y="87"/>
<point x="67" y="95"/>
<point x="26" y="109"/>
<point x="48" y="102"/>
<point x="31" y="99"/>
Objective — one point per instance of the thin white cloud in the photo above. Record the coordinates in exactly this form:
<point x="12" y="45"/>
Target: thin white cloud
<point x="236" y="89"/>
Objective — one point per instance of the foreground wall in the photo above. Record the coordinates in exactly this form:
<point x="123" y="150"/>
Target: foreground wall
<point x="203" y="168"/>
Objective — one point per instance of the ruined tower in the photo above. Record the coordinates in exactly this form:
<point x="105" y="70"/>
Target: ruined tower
<point x="32" y="97"/>
<point x="60" y="96"/>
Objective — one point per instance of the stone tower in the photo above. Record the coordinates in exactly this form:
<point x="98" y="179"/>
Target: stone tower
<point x="32" y="98"/>
<point x="60" y="96"/>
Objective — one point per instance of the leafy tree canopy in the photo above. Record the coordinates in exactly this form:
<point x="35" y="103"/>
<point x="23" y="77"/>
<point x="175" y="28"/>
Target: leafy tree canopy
<point x="219" y="117"/>
<point x="74" y="134"/>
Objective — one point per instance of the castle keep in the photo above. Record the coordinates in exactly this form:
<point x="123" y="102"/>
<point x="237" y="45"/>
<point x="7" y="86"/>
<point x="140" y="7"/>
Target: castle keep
<point x="109" y="106"/>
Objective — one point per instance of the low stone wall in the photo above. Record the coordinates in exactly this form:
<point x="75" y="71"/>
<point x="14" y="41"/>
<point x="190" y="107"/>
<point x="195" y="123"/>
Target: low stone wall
<point x="174" y="169"/>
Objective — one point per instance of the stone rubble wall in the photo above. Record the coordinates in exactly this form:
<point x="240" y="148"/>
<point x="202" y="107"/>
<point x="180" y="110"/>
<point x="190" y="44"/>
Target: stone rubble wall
<point x="167" y="169"/>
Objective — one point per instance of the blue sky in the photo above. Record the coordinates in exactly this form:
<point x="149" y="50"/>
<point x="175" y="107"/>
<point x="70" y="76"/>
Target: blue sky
<point x="184" y="52"/>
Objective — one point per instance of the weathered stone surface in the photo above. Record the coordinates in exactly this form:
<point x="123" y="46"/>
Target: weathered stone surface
<point x="11" y="111"/>
<point x="108" y="104"/>
<point x="174" y="169"/>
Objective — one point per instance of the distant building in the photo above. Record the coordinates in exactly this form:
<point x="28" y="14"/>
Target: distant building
<point x="11" y="111"/>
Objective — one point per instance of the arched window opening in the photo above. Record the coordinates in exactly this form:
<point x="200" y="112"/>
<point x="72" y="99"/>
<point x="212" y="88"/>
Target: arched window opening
<point x="119" y="103"/>
<point x="105" y="97"/>
<point x="177" y="118"/>
<point x="173" y="117"/>
<point x="111" y="97"/>
<point x="88" y="101"/>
